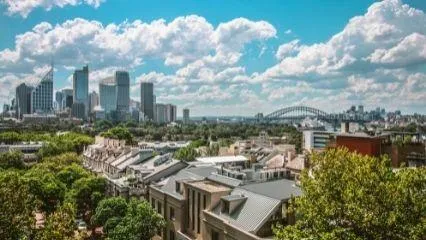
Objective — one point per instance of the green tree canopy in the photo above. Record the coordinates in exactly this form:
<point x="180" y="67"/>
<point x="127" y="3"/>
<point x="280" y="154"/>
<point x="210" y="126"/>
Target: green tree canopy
<point x="349" y="196"/>
<point x="59" y="225"/>
<point x="186" y="154"/>
<point x="16" y="207"/>
<point x="109" y="213"/>
<point x="121" y="133"/>
<point x="12" y="159"/>
<point x="141" y="222"/>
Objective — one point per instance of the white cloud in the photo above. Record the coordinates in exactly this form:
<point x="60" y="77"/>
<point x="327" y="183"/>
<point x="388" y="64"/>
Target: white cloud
<point x="388" y="25"/>
<point x="288" y="49"/>
<point x="288" y="31"/>
<point x="25" y="7"/>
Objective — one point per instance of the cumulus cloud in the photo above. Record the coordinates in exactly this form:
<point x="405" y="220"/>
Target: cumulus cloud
<point x="382" y="37"/>
<point x="25" y="7"/>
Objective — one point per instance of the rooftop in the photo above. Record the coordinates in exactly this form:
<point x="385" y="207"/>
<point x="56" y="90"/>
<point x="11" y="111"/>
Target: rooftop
<point x="209" y="186"/>
<point x="222" y="159"/>
<point x="279" y="189"/>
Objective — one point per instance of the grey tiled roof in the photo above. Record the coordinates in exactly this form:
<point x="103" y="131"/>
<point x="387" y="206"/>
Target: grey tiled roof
<point x="252" y="213"/>
<point x="279" y="189"/>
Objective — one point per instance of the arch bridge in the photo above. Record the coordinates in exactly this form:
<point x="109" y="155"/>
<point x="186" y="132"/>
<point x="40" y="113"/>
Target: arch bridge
<point x="296" y="112"/>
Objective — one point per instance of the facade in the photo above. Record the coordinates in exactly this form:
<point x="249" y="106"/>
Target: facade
<point x="78" y="110"/>
<point x="160" y="113"/>
<point x="197" y="205"/>
<point x="42" y="95"/>
<point x="171" y="113"/>
<point x="108" y="95"/>
<point x="23" y="100"/>
<point x="81" y="87"/>
<point x="122" y="81"/>
<point x="94" y="100"/>
<point x="147" y="100"/>
<point x="316" y="140"/>
<point x="67" y="98"/>
<point x="186" y="116"/>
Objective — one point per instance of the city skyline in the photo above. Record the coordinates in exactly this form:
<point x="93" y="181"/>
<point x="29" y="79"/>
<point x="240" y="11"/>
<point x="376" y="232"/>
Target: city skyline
<point x="235" y="63"/>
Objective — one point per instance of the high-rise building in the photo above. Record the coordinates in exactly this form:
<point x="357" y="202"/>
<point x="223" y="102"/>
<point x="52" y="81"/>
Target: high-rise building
<point x="147" y="100"/>
<point x="122" y="81"/>
<point x="42" y="95"/>
<point x="108" y="94"/>
<point x="81" y="87"/>
<point x="170" y="113"/>
<point x="59" y="97"/>
<point x="361" y="109"/>
<point x="93" y="100"/>
<point x="160" y="113"/>
<point x="23" y="100"/>
<point x="67" y="98"/>
<point x="78" y="110"/>
<point x="185" y="116"/>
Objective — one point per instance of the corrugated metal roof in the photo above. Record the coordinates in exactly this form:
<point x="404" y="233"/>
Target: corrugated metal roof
<point x="279" y="189"/>
<point x="252" y="213"/>
<point x="227" y="181"/>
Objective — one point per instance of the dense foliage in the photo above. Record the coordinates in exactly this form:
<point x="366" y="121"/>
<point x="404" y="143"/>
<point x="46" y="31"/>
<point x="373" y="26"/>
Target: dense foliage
<point x="128" y="220"/>
<point x="349" y="196"/>
<point x="121" y="133"/>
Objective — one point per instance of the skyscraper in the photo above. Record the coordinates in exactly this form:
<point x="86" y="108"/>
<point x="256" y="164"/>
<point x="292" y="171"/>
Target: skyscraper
<point x="147" y="100"/>
<point x="123" y="86"/>
<point x="185" y="116"/>
<point x="160" y="113"/>
<point x="23" y="100"/>
<point x="59" y="97"/>
<point x="93" y="100"/>
<point x="67" y="98"/>
<point x="108" y="94"/>
<point x="170" y="113"/>
<point x="81" y="87"/>
<point x="42" y="95"/>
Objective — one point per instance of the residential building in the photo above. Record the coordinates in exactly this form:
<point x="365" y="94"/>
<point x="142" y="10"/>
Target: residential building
<point x="147" y="100"/>
<point x="186" y="119"/>
<point x="23" y="100"/>
<point x="42" y="95"/>
<point x="171" y="113"/>
<point x="108" y="94"/>
<point x="316" y="140"/>
<point x="198" y="204"/>
<point x="81" y="88"/>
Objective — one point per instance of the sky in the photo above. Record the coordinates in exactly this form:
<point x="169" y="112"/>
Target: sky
<point x="222" y="57"/>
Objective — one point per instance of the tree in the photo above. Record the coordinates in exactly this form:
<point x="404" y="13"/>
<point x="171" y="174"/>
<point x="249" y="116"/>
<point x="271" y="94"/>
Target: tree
<point x="13" y="159"/>
<point x="47" y="189"/>
<point x="186" y="154"/>
<point x="141" y="222"/>
<point x="121" y="133"/>
<point x="72" y="173"/>
<point x="86" y="193"/>
<point x="16" y="207"/>
<point x="350" y="196"/>
<point x="109" y="213"/>
<point x="59" y="225"/>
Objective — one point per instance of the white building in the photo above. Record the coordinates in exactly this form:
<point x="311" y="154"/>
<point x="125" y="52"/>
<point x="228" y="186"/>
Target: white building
<point x="316" y="140"/>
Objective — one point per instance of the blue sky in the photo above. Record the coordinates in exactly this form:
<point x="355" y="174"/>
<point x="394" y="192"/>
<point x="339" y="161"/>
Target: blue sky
<point x="227" y="57"/>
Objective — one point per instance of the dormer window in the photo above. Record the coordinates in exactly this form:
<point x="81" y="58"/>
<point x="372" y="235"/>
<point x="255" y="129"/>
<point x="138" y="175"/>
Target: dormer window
<point x="225" y="206"/>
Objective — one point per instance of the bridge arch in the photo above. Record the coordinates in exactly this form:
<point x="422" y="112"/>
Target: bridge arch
<point x="296" y="112"/>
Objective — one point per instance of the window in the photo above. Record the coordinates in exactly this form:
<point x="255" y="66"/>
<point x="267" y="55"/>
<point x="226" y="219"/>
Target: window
<point x="159" y="207"/>
<point x="204" y="201"/>
<point x="215" y="235"/>
<point x="171" y="235"/>
<point x="153" y="203"/>
<point x="177" y="187"/>
<point x="172" y="214"/>
<point x="193" y="209"/>
<point x="198" y="211"/>
<point x="225" y="206"/>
